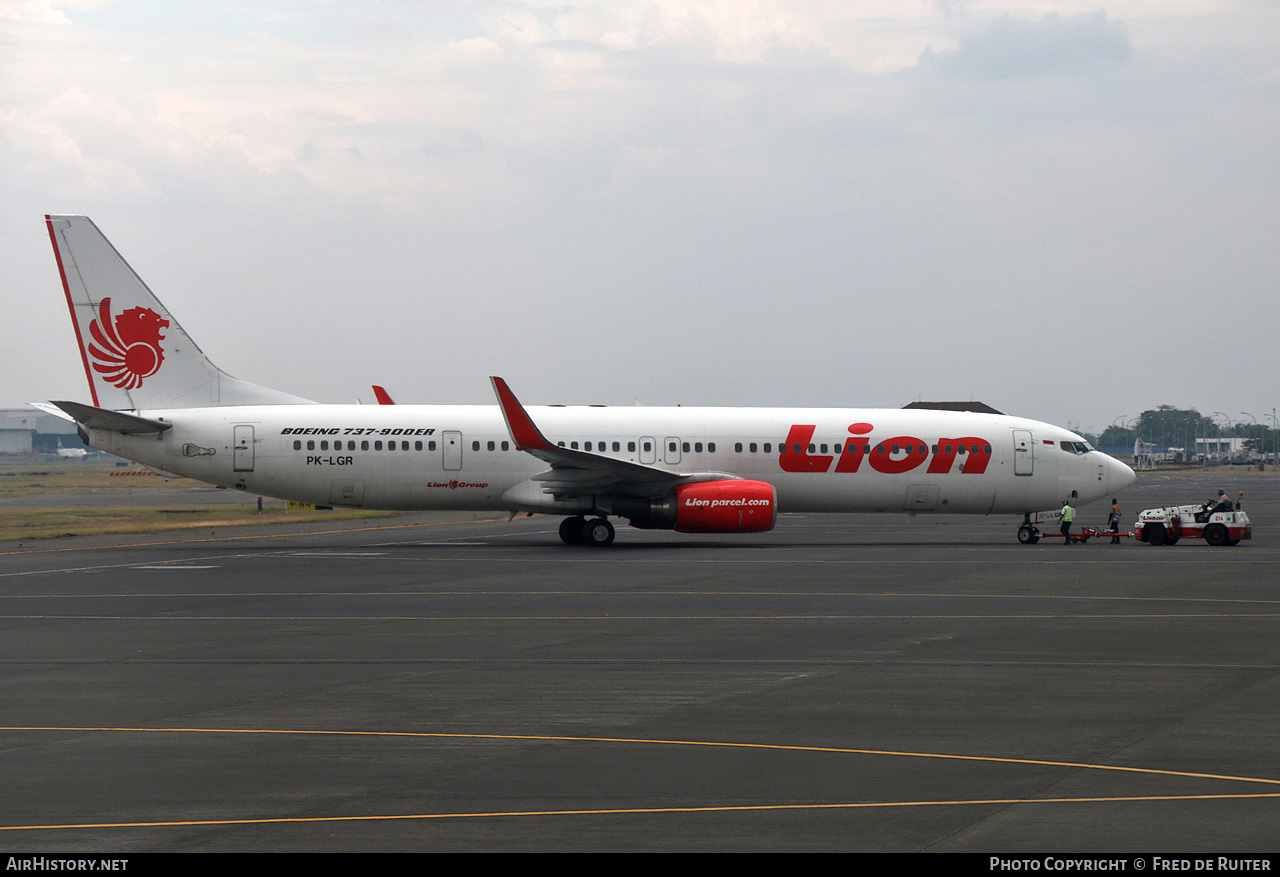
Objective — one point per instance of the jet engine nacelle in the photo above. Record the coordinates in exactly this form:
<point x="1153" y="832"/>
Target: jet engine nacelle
<point x="725" y="507"/>
<point x="732" y="506"/>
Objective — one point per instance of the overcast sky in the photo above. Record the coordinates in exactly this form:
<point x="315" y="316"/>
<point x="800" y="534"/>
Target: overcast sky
<point x="1070" y="211"/>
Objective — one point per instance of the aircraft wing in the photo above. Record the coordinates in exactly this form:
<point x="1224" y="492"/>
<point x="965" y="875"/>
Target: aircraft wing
<point x="582" y="473"/>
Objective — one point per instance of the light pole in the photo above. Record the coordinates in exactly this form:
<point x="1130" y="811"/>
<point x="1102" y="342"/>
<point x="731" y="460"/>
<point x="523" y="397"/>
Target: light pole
<point x="1255" y="432"/>
<point x="1275" y="434"/>
<point x="1228" y="420"/>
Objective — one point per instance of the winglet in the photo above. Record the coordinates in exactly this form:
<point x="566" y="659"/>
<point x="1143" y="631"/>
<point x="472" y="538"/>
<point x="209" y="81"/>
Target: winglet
<point x="523" y="431"/>
<point x="384" y="398"/>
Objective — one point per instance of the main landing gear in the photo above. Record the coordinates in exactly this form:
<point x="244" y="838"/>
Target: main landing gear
<point x="580" y="531"/>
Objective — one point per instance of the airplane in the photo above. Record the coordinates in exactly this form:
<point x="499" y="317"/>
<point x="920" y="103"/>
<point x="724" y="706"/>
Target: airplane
<point x="157" y="399"/>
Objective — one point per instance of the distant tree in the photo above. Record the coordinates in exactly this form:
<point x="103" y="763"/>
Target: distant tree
<point x="1116" y="437"/>
<point x="1167" y="426"/>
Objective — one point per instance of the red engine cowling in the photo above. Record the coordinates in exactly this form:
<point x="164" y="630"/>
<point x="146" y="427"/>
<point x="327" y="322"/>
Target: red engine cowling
<point x="737" y="506"/>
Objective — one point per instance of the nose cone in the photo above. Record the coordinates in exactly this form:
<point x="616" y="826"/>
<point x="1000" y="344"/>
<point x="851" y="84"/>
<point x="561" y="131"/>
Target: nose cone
<point x="1119" y="476"/>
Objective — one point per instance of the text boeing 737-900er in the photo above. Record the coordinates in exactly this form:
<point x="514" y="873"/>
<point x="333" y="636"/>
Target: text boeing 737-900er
<point x="158" y="400"/>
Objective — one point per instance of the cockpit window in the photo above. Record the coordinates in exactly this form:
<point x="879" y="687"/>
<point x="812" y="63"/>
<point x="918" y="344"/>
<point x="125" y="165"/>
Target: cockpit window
<point x="1076" y="447"/>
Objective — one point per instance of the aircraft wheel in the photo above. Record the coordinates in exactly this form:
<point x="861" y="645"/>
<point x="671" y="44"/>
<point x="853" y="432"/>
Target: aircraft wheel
<point x="598" y="532"/>
<point x="1028" y="535"/>
<point x="1231" y="542"/>
<point x="572" y="531"/>
<point x="1156" y="534"/>
<point x="1216" y="535"/>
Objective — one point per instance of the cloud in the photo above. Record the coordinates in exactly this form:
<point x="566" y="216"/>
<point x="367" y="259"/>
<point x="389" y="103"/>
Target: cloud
<point x="800" y="203"/>
<point x="1010" y="48"/>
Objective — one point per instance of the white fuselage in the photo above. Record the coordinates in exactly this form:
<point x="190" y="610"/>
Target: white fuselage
<point x="463" y="457"/>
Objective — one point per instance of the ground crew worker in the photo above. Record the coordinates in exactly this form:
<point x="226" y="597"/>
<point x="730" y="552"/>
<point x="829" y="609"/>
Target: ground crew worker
<point x="1114" y="520"/>
<point x="1068" y="515"/>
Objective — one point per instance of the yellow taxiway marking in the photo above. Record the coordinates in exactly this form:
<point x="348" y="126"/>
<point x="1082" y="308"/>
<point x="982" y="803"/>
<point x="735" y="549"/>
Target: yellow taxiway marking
<point x="614" y="616"/>
<point x="736" y="808"/>
<point x="640" y="741"/>
<point x="643" y="595"/>
<point x="640" y="810"/>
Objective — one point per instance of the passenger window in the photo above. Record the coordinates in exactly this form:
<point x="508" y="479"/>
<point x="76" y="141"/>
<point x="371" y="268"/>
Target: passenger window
<point x="752" y="447"/>
<point x="431" y="445"/>
<point x="311" y="446"/>
<point x="391" y="446"/>
<point x="377" y="446"/>
<point x="738" y="447"/>
<point x="685" y="446"/>
<point x="364" y="445"/>
<point x="586" y="446"/>
<point x="711" y="447"/>
<point x="768" y="447"/>
<point x="573" y="445"/>
<point x="297" y="445"/>
<point x="697" y="447"/>
<point x="506" y="446"/>
<point x="823" y="448"/>
<point x="617" y="446"/>
<point x="493" y="446"/>
<point x="631" y="446"/>
<point x="417" y="446"/>
<point x="475" y="446"/>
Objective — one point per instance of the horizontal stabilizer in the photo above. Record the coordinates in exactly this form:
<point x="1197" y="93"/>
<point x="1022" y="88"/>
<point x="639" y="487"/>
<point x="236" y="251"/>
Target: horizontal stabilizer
<point x="116" y="421"/>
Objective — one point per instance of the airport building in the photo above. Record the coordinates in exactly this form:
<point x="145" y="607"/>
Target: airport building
<point x="28" y="431"/>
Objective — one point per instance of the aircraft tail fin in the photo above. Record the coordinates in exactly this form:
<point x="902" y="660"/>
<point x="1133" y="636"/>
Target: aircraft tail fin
<point x="136" y="355"/>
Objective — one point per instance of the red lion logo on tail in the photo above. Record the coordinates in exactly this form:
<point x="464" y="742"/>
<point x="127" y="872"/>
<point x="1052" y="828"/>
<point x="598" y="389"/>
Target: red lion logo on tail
<point x="127" y="350"/>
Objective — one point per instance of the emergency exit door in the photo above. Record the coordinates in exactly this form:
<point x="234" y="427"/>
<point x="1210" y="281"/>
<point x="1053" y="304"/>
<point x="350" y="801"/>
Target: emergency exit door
<point x="451" y="447"/>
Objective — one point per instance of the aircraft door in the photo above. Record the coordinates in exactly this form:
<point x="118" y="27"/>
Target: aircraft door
<point x="348" y="493"/>
<point x="648" y="449"/>
<point x="671" y="450"/>
<point x="921" y="498"/>
<point x="451" y="445"/>
<point x="242" y="448"/>
<point x="1024" y="452"/>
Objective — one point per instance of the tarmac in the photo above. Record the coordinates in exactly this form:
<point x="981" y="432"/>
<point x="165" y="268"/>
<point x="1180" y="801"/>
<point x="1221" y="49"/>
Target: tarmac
<point x="842" y="683"/>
